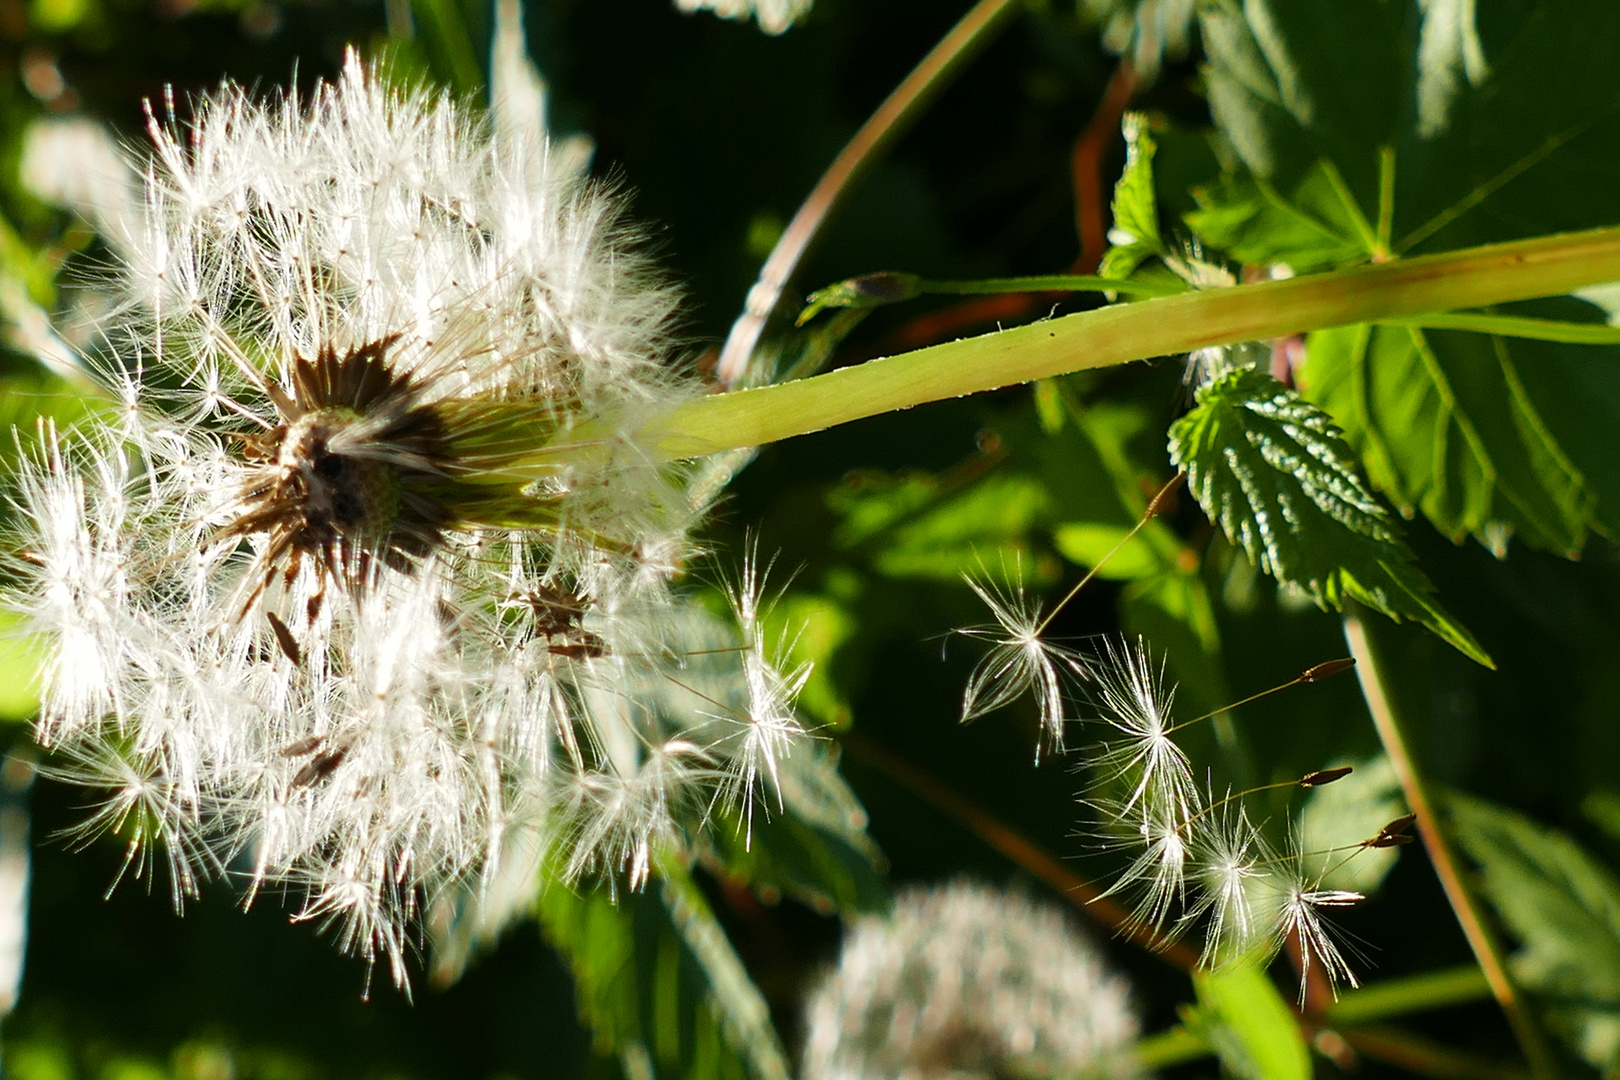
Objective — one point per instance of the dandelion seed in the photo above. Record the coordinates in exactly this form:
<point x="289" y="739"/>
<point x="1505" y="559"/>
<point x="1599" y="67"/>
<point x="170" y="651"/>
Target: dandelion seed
<point x="1299" y="918"/>
<point x="1231" y="863"/>
<point x="768" y="726"/>
<point x="1136" y="703"/>
<point x="1020" y="660"/>
<point x="1158" y="874"/>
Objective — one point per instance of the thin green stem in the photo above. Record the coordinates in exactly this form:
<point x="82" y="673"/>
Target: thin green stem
<point x="1414" y="993"/>
<point x="892" y="118"/>
<point x="1487" y="950"/>
<point x="1568" y="333"/>
<point x="1499" y="273"/>
<point x="1048" y="283"/>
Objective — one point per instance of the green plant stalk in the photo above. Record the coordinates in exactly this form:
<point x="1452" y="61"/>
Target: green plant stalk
<point x="1413" y="993"/>
<point x="1486" y="948"/>
<point x="1476" y="277"/>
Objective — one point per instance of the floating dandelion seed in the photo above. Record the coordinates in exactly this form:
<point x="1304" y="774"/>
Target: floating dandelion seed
<point x="1136" y="702"/>
<point x="1197" y="862"/>
<point x="1299" y="903"/>
<point x="1231" y="863"/>
<point x="369" y="568"/>
<point x="1020" y="660"/>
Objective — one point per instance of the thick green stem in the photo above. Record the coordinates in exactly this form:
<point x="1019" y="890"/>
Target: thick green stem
<point x="1499" y="273"/>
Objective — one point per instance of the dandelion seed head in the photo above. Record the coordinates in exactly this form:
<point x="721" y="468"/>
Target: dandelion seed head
<point x="368" y="568"/>
<point x="968" y="980"/>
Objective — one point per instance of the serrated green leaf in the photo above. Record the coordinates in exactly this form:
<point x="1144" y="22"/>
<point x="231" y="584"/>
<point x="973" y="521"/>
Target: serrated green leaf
<point x="1366" y="131"/>
<point x="1564" y="907"/>
<point x="1134" y="236"/>
<point x="1249" y="1026"/>
<point x="1489" y="466"/>
<point x="1275" y="473"/>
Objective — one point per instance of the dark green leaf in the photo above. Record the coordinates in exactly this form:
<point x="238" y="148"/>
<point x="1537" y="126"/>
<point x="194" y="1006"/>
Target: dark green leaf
<point x="941" y="527"/>
<point x="1359" y="131"/>
<point x="1564" y="907"/>
<point x="1276" y="474"/>
<point x="644" y="992"/>
<point x="812" y="846"/>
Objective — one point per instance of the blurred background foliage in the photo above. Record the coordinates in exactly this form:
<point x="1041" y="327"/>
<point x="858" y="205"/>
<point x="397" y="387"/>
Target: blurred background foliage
<point x="719" y="131"/>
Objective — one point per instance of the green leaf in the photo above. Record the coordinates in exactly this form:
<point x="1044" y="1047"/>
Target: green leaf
<point x="940" y="527"/>
<point x="1248" y="219"/>
<point x="1107" y="549"/>
<point x="21" y="658"/>
<point x="1249" y="1026"/>
<point x="1275" y="473"/>
<point x="651" y="997"/>
<point x="1135" y="233"/>
<point x="1357" y="131"/>
<point x="1564" y="907"/>
<point x="1446" y="426"/>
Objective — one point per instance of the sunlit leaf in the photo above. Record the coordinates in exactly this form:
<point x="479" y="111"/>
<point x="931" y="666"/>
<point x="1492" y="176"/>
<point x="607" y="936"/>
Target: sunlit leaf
<point x="1135" y="232"/>
<point x="1275" y="473"/>
<point x="1245" y="1020"/>
<point x="1438" y="129"/>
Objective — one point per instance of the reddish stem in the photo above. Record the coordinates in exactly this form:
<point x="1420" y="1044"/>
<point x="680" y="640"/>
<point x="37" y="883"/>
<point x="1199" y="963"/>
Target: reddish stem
<point x="1090" y="204"/>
